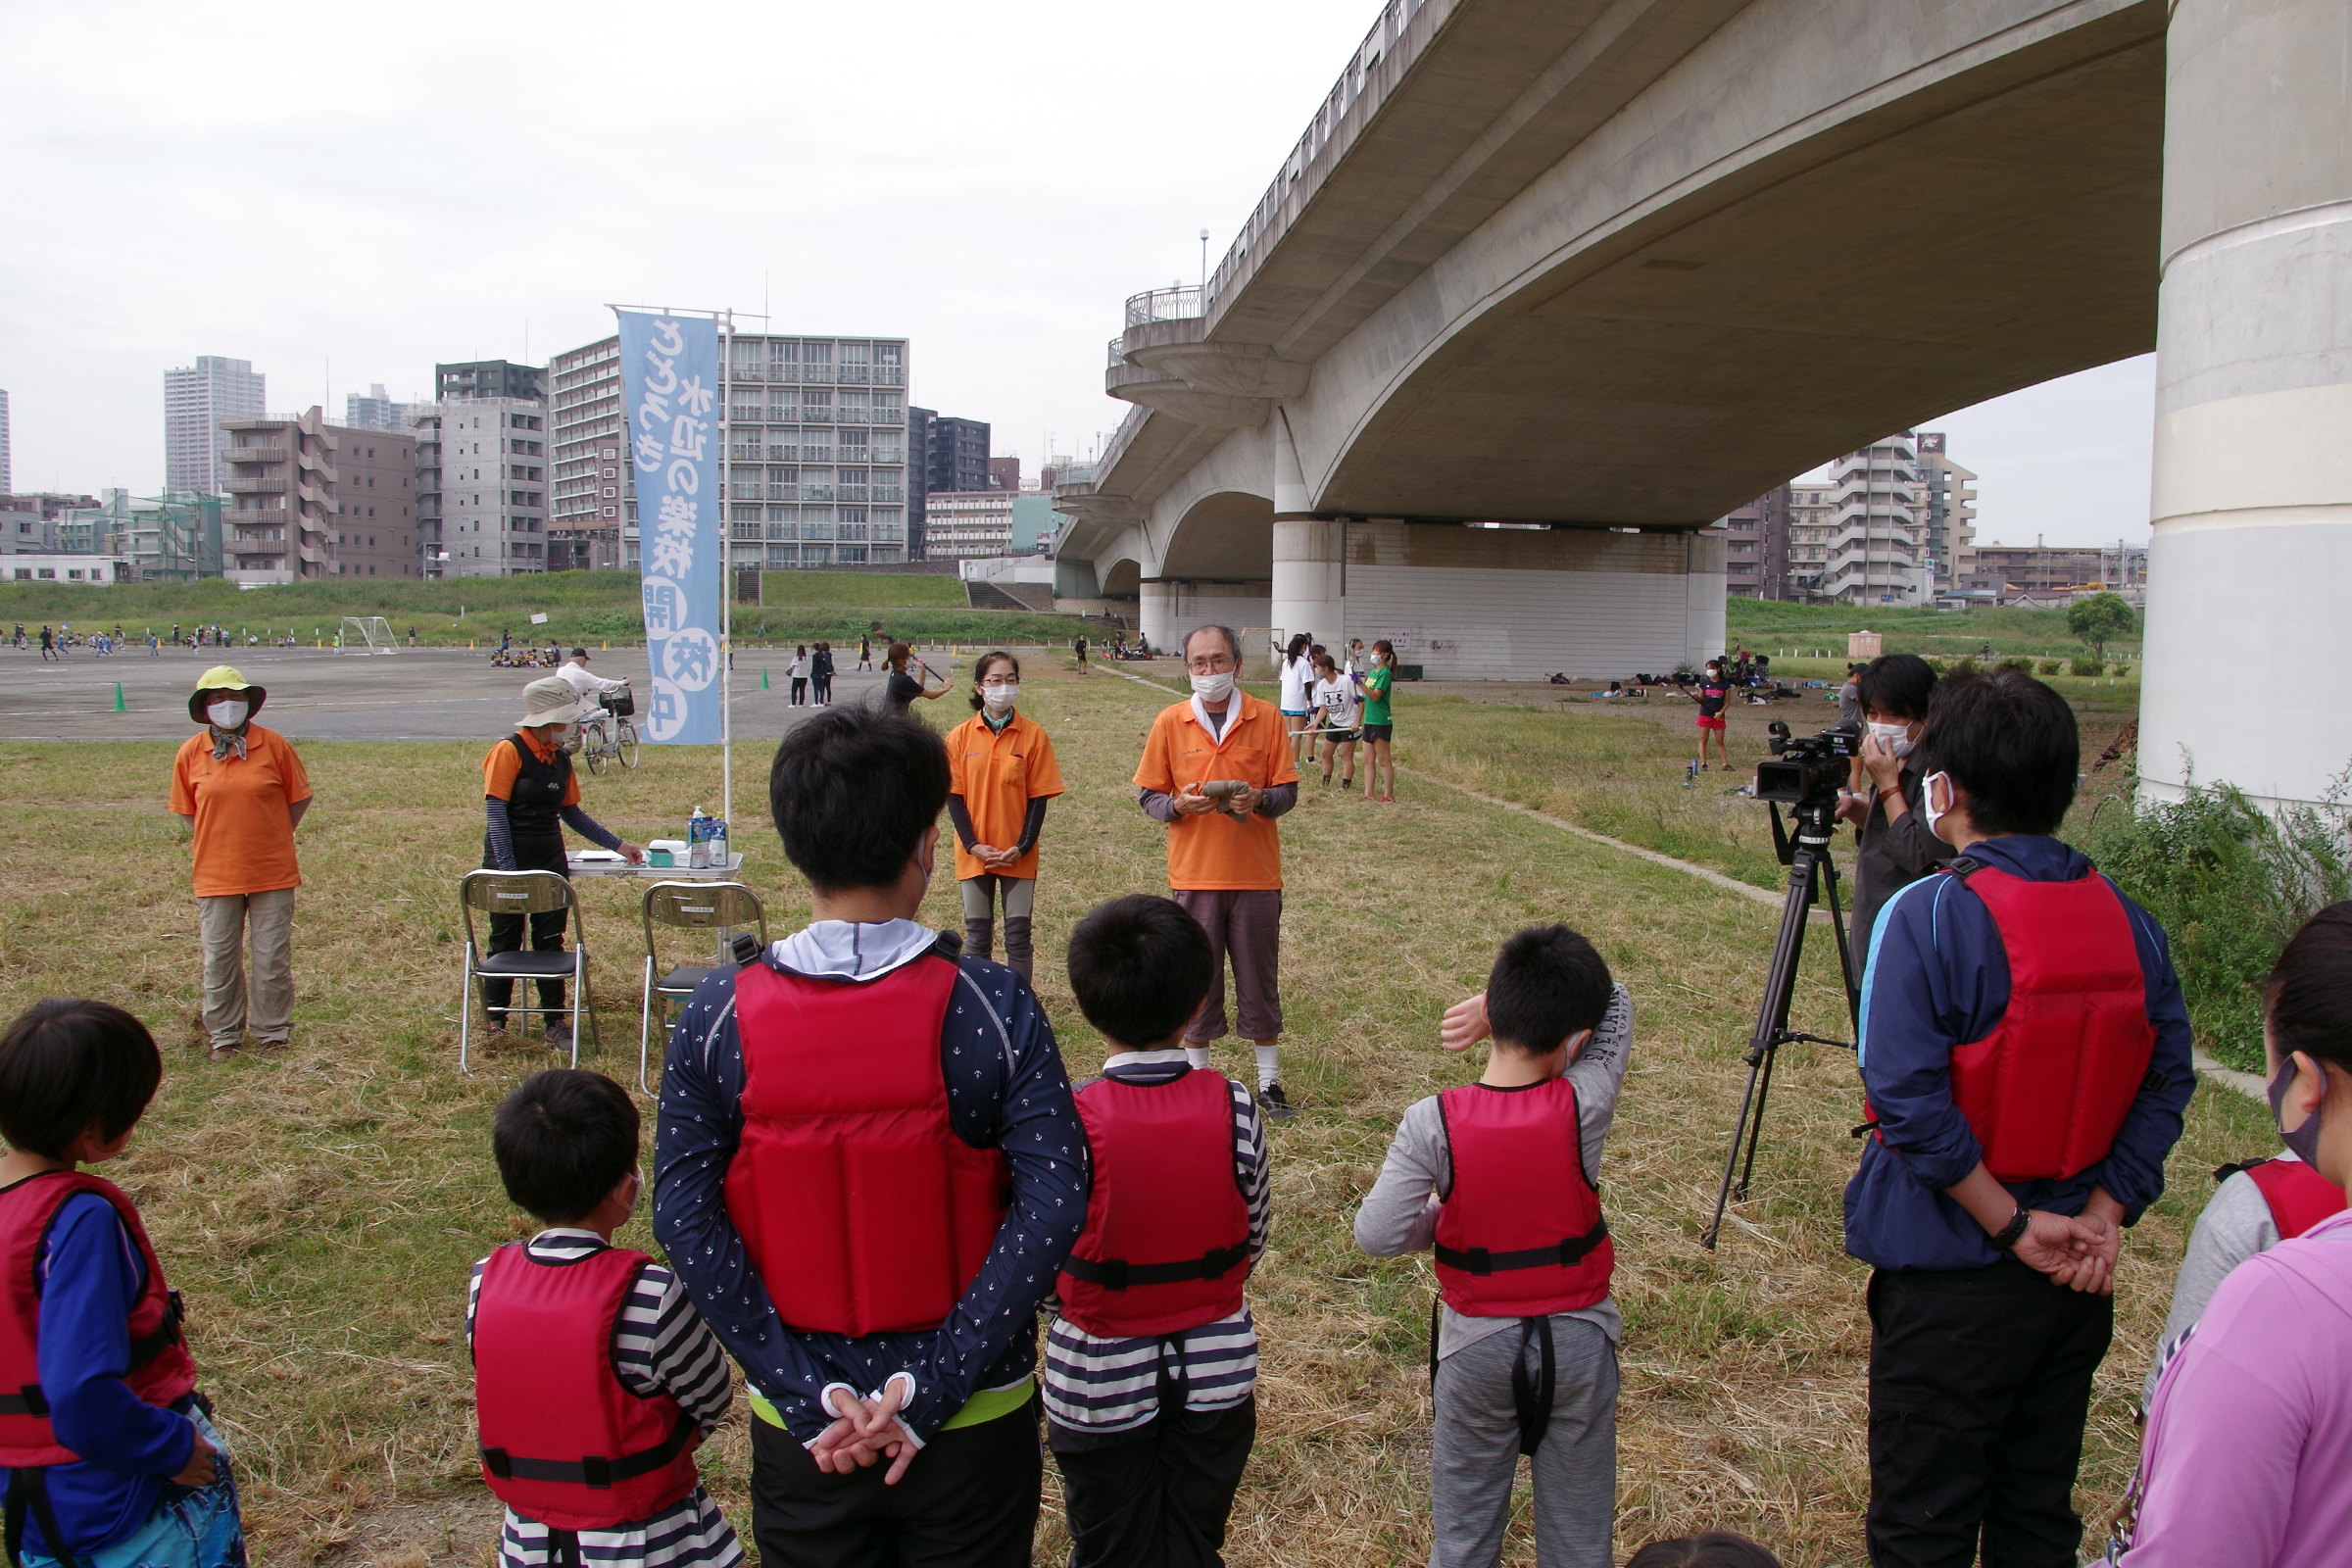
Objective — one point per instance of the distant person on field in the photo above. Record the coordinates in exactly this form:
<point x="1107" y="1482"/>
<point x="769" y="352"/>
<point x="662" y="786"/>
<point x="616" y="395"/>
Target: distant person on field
<point x="1714" y="692"/>
<point x="2249" y="1435"/>
<point x="1297" y="679"/>
<point x="1338" y="703"/>
<point x="821" y="674"/>
<point x="866" y="653"/>
<point x="2025" y="1053"/>
<point x="1001" y="774"/>
<point x="594" y="1381"/>
<point x="798" y="671"/>
<point x="1501" y="1177"/>
<point x="589" y="685"/>
<point x="111" y="1454"/>
<point x="1225" y="853"/>
<point x="1894" y="845"/>
<point x="1380" y="722"/>
<point x="901" y="687"/>
<point x="242" y="792"/>
<point x="49" y="646"/>
<point x="868" y="1173"/>
<point x="1152" y="1362"/>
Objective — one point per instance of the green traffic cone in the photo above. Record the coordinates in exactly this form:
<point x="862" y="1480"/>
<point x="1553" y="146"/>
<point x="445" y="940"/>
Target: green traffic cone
<point x="764" y="686"/>
<point x="118" y="707"/>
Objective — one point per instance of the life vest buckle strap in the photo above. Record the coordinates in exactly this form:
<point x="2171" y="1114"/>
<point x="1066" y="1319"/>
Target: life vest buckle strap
<point x="1567" y="1253"/>
<point x="27" y="1400"/>
<point x="1119" y="1274"/>
<point x="597" y="1472"/>
<point x="147" y="1347"/>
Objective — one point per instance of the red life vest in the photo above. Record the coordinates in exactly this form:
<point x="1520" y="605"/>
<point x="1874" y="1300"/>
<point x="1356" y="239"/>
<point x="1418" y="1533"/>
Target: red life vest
<point x="862" y="1210"/>
<point x="544" y="1391"/>
<point x="2046" y="1092"/>
<point x="2298" y="1196"/>
<point x="162" y="1372"/>
<point x="1166" y="1243"/>
<point x="1521" y="1234"/>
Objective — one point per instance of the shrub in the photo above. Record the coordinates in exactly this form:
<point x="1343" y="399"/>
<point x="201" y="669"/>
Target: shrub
<point x="2087" y="666"/>
<point x="1966" y="664"/>
<point x="2120" y="672"/>
<point x="2230" y="883"/>
<point x="2050" y="667"/>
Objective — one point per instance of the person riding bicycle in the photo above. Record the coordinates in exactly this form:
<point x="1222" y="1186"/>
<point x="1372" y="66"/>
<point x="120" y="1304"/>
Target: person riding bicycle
<point x="589" y="686"/>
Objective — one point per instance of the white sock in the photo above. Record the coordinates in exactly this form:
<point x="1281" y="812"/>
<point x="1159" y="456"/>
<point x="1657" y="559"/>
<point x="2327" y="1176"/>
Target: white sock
<point x="1266" y="1064"/>
<point x="1197" y="1055"/>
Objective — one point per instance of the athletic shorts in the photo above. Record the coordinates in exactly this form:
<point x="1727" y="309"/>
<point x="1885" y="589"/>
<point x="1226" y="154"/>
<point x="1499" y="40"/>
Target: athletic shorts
<point x="1711" y="721"/>
<point x="1296" y="712"/>
<point x="1340" y="737"/>
<point x="1379" y="732"/>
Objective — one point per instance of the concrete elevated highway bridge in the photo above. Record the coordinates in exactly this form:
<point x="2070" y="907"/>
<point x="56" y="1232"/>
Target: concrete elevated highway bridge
<point x="1549" y="285"/>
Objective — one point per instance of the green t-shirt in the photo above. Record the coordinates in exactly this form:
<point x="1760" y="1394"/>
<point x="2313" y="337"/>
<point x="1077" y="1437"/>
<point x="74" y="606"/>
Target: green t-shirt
<point x="1375" y="695"/>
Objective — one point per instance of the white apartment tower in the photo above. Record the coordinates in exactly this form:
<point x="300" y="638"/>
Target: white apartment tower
<point x="482" y="465"/>
<point x="8" y="482"/>
<point x="815" y="472"/>
<point x="195" y="401"/>
<point x="1878" y="547"/>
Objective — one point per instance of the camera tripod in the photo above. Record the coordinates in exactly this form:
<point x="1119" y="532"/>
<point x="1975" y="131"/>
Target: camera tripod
<point x="1811" y="872"/>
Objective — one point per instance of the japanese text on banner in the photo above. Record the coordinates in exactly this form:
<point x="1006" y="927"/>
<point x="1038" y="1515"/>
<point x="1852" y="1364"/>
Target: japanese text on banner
<point x="670" y="383"/>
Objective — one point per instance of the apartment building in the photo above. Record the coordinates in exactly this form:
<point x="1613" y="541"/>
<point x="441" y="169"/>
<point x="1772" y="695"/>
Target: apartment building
<point x="1755" y="551"/>
<point x="482" y="468"/>
<point x="2006" y="574"/>
<point x="1947" y="511"/>
<point x="817" y="451"/>
<point x="376" y="410"/>
<point x="1806" y="555"/>
<point x="196" y="400"/>
<point x="149" y="538"/>
<point x="8" y="481"/>
<point x="313" y="500"/>
<point x="490" y="378"/>
<point x="961" y="524"/>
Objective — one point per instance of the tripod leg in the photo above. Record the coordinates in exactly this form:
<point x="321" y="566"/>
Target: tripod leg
<point x="1756" y="1134"/>
<point x="1846" y="958"/>
<point x="1741" y="1134"/>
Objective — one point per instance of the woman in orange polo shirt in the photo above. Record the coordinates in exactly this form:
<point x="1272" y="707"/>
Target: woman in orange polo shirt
<point x="1001" y="774"/>
<point x="243" y="791"/>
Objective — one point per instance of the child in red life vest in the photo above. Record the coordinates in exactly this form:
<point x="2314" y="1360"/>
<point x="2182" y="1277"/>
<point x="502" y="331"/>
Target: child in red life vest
<point x="594" y="1380"/>
<point x="2025" y="1051"/>
<point x="1501" y="1178"/>
<point x="1151" y="1364"/>
<point x="111" y="1459"/>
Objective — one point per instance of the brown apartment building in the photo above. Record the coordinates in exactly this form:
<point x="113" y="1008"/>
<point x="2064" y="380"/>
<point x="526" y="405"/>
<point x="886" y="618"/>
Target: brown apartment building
<point x="313" y="500"/>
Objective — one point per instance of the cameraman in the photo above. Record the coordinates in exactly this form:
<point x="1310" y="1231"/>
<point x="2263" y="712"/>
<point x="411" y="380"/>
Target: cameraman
<point x="1896" y="846"/>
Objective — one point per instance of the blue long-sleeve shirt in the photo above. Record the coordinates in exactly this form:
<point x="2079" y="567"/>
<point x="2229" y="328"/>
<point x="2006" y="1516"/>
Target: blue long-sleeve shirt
<point x="1006" y="1090"/>
<point x="1938" y="977"/>
<point x="91" y="1275"/>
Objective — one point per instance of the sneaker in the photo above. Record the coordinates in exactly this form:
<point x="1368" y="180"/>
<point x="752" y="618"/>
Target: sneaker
<point x="559" y="1036"/>
<point x="1274" y="1103"/>
<point x="225" y="1053"/>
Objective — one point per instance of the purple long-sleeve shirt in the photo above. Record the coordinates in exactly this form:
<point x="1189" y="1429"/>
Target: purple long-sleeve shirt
<point x="2250" y="1437"/>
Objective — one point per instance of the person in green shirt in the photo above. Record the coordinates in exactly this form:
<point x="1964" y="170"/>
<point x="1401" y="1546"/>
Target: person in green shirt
<point x="1377" y="725"/>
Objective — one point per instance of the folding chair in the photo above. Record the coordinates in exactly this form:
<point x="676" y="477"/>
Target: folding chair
<point x="718" y="907"/>
<point x="521" y="893"/>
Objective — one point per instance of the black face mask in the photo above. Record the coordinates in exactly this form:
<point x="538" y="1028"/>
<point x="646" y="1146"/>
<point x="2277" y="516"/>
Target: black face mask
<point x="2303" y="1139"/>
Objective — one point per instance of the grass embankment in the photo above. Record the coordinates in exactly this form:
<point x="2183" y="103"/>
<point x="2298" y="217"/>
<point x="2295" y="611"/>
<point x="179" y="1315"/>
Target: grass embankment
<point x="1938" y="633"/>
<point x="321" y="1207"/>
<point x="581" y="607"/>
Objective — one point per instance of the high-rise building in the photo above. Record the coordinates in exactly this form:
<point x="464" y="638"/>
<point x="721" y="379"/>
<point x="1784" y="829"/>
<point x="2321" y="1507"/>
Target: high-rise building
<point x="817" y="450"/>
<point x="1005" y="474"/>
<point x="959" y="455"/>
<point x="1756" y="550"/>
<point x="482" y="483"/>
<point x="8" y="482"/>
<point x="196" y="400"/>
<point x="490" y="378"/>
<point x="1877" y="548"/>
<point x="918" y="477"/>
<point x="375" y="410"/>
<point x="1948" y="510"/>
<point x="962" y="523"/>
<point x="315" y="500"/>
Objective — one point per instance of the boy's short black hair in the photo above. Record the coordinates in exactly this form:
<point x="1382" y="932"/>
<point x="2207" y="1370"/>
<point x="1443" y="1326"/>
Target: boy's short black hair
<point x="66" y="1064"/>
<point x="2011" y="742"/>
<point x="1546" y="984"/>
<point x="1715" y="1548"/>
<point x="1901" y="684"/>
<point x="851" y="791"/>
<point x="564" y="1139"/>
<point x="1138" y="967"/>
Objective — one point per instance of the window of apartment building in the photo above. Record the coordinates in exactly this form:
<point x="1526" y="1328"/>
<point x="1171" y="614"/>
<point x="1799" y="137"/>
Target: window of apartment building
<point x="783" y="522"/>
<point x="817" y="360"/>
<point x="783" y="361"/>
<point x="817" y="522"/>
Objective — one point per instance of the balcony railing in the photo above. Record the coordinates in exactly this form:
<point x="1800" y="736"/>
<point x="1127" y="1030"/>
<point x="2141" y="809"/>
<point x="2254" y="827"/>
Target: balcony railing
<point x="1118" y="355"/>
<point x="1179" y="304"/>
<point x="259" y="484"/>
<point x="253" y="454"/>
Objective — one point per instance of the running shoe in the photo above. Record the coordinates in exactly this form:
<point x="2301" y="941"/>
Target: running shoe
<point x="1274" y="1103"/>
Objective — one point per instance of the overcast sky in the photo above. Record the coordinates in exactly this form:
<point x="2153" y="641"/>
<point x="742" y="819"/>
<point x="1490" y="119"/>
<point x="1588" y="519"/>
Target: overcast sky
<point x="345" y="195"/>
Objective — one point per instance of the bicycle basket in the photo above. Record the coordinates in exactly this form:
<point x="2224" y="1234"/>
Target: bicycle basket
<point x="620" y="705"/>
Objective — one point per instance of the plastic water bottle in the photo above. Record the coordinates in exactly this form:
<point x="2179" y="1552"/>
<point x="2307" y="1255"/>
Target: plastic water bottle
<point x="718" y="841"/>
<point x="698" y="840"/>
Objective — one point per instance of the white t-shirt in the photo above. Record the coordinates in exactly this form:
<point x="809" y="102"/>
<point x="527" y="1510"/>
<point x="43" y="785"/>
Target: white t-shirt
<point x="1338" y="703"/>
<point x="1297" y="674"/>
<point x="800" y="666"/>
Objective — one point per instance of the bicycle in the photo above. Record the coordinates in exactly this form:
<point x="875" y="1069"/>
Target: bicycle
<point x="599" y="746"/>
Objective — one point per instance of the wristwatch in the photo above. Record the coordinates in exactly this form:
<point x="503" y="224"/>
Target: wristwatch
<point x="2006" y="1238"/>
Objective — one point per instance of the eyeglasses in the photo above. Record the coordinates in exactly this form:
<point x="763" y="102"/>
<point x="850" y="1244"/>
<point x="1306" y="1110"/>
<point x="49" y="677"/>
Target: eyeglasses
<point x="998" y="682"/>
<point x="1209" y="663"/>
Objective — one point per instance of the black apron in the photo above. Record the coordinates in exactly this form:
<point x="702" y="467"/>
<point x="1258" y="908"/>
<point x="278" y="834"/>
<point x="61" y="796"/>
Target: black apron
<point x="534" y="810"/>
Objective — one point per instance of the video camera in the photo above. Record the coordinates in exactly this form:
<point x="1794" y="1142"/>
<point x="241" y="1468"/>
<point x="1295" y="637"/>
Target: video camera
<point x="1806" y="770"/>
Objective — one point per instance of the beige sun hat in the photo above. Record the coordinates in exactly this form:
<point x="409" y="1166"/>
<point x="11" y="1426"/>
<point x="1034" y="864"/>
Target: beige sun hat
<point x="551" y="700"/>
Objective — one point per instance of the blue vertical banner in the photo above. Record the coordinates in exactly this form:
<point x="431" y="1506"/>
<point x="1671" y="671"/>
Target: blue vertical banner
<point x="670" y="386"/>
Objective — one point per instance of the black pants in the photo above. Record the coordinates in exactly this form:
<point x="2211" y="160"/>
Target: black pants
<point x="1156" y="1496"/>
<point x="1979" y="1384"/>
<point x="547" y="931"/>
<point x="969" y="1501"/>
<point x="823" y="687"/>
<point x="800" y="690"/>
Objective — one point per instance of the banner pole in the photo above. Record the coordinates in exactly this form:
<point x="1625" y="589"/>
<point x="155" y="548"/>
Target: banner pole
<point x="726" y="577"/>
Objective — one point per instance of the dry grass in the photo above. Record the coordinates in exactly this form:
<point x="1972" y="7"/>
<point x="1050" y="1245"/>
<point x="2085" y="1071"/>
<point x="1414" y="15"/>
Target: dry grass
<point x="321" y="1207"/>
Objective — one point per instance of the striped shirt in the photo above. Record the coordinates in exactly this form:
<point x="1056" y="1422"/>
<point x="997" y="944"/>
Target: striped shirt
<point x="659" y="1346"/>
<point x="1112" y="1383"/>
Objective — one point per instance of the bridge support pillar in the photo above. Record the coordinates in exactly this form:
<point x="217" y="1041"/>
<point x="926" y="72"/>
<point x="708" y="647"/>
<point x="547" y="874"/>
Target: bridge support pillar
<point x="2252" y="486"/>
<point x="1155" y="614"/>
<point x="1307" y="574"/>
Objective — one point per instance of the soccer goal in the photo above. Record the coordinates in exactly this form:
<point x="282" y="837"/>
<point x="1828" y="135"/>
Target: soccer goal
<point x="365" y="634"/>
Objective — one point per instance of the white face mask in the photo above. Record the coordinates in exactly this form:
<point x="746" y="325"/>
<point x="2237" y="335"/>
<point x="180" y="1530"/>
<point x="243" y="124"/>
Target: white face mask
<point x="227" y="713"/>
<point x="1897" y="737"/>
<point x="1000" y="698"/>
<point x="557" y="734"/>
<point x="1927" y="799"/>
<point x="1213" y="688"/>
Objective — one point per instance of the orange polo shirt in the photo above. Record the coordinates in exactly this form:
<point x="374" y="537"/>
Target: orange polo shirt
<point x="502" y="766"/>
<point x="1215" y="850"/>
<point x="998" y="772"/>
<point x="244" y="836"/>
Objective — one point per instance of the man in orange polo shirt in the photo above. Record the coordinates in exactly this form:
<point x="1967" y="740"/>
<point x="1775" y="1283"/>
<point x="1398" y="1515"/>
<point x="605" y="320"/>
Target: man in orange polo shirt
<point x="1224" y="851"/>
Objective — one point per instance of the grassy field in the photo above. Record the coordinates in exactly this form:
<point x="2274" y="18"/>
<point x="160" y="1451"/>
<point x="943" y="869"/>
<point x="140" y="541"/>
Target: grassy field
<point x="1771" y="624"/>
<point x="320" y="1206"/>
<point x="581" y="607"/>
